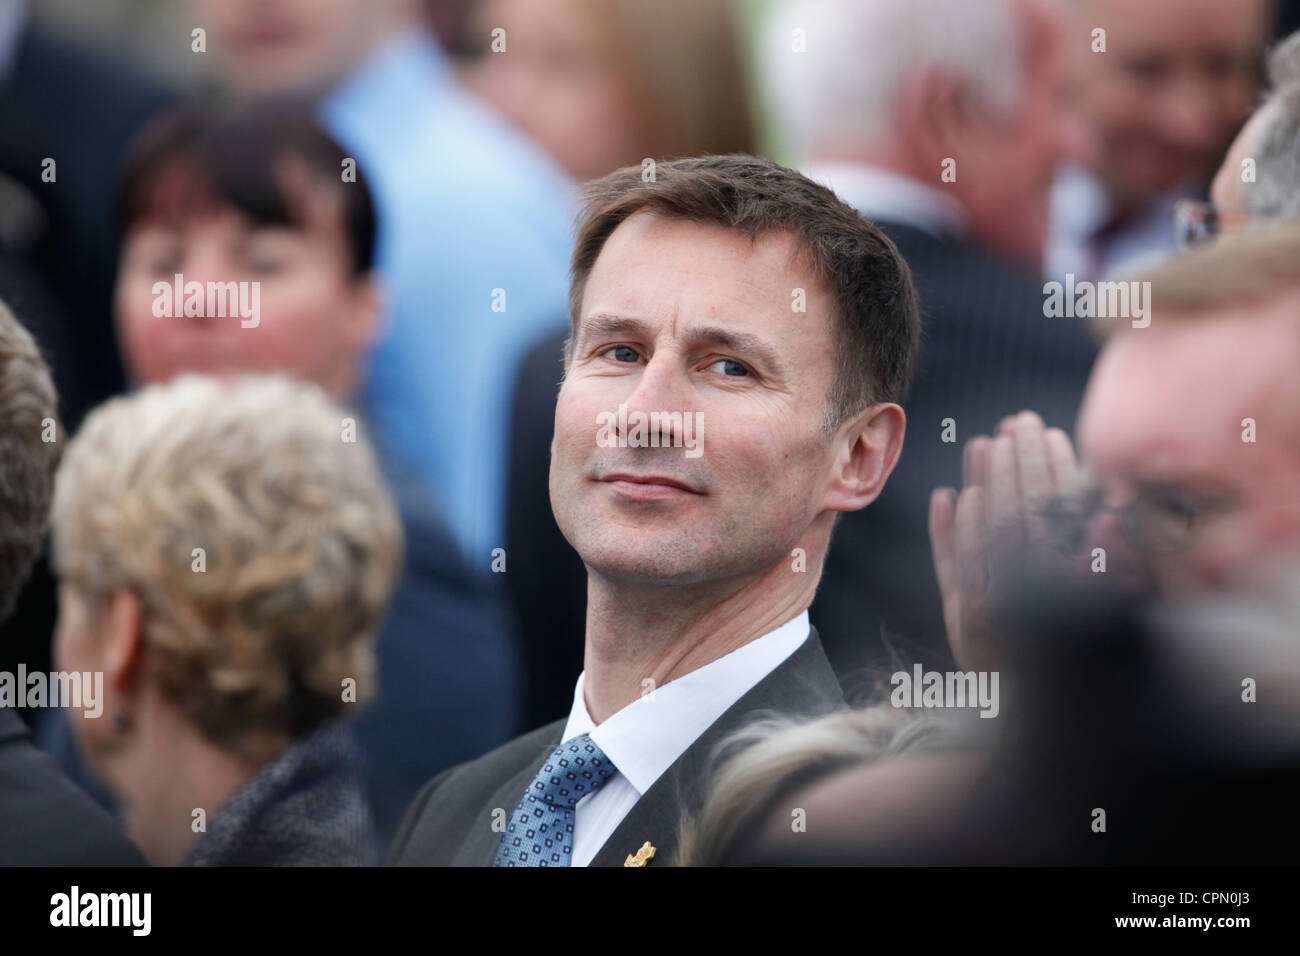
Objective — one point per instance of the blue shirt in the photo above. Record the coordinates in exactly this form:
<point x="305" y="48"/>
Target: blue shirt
<point x="471" y="214"/>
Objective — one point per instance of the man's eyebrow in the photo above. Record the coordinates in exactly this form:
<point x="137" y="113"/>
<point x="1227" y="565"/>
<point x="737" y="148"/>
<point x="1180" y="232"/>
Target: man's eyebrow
<point x="602" y="324"/>
<point x="605" y="324"/>
<point x="741" y="342"/>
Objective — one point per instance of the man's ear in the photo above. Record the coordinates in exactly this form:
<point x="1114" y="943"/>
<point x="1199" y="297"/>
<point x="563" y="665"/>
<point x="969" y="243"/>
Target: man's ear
<point x="933" y="113"/>
<point x="867" y="447"/>
<point x="122" y="639"/>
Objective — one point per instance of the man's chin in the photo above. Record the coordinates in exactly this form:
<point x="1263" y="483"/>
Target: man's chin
<point x="668" y="563"/>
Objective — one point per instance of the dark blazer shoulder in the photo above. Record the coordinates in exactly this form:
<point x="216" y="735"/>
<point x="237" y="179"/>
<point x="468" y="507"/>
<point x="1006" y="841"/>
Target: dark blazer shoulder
<point x="45" y="820"/>
<point x="802" y="686"/>
<point x="450" y="821"/>
<point x="445" y="807"/>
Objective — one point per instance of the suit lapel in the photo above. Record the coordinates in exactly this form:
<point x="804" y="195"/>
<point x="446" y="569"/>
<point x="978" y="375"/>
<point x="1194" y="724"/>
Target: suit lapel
<point x="480" y="847"/>
<point x="802" y="685"/>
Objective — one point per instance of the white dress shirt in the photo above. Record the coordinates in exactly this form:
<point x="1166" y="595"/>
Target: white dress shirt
<point x="1079" y="210"/>
<point x="647" y="736"/>
<point x="890" y="197"/>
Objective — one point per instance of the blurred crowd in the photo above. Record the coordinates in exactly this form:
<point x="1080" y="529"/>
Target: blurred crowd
<point x="311" y="544"/>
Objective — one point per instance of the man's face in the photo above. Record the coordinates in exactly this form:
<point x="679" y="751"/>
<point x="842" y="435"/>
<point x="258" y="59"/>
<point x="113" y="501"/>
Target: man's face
<point x="1177" y="80"/>
<point x="1163" y="415"/>
<point x="315" y="318"/>
<point x="1006" y="164"/>
<point x="689" y="318"/>
<point x="287" y="46"/>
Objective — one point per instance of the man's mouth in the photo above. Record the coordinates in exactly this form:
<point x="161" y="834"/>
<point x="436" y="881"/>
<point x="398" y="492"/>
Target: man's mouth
<point x="648" y="486"/>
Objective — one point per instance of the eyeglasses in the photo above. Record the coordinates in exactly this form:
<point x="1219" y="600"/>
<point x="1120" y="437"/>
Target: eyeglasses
<point x="1195" y="222"/>
<point x="1159" y="520"/>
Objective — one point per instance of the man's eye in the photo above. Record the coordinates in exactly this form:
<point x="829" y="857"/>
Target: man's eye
<point x="623" y="353"/>
<point x="731" y="367"/>
<point x="1179" y="507"/>
<point x="1185" y="507"/>
<point x="163" y="263"/>
<point x="1148" y="69"/>
<point x="264" y="262"/>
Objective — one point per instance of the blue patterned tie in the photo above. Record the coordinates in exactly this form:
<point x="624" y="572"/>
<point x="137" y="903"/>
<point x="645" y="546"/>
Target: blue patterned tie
<point x="540" y="832"/>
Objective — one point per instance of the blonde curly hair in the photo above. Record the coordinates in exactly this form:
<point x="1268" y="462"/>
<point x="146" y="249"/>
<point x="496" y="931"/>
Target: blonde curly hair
<point x="253" y="635"/>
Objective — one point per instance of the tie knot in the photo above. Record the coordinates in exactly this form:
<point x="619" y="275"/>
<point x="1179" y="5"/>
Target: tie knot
<point x="577" y="768"/>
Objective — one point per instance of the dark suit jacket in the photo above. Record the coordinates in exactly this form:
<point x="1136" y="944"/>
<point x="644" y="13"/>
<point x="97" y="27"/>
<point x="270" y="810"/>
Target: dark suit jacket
<point x="69" y="104"/>
<point x="987" y="351"/>
<point x="450" y="823"/>
<point x="44" y="819"/>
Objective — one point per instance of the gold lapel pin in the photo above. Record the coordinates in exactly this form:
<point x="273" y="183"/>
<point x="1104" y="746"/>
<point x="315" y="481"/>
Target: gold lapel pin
<point x="643" y="855"/>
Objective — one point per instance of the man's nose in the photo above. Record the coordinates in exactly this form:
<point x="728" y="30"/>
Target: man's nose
<point x="1077" y="140"/>
<point x="662" y="387"/>
<point x="1191" y="115"/>
<point x="1124" y="562"/>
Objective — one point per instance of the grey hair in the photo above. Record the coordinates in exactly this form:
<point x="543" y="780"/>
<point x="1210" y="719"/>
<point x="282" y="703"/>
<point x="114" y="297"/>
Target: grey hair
<point x="1284" y="61"/>
<point x="751" y="765"/>
<point x="29" y="417"/>
<point x="860" y="55"/>
<point x="1274" y="196"/>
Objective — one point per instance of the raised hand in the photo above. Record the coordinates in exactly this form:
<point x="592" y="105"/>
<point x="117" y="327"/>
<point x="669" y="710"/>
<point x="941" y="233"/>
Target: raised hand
<point x="995" y="527"/>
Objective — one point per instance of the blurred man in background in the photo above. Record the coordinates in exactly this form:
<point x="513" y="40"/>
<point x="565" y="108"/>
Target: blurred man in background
<point x="944" y="122"/>
<point x="1172" y="85"/>
<point x="1218" y="464"/>
<point x="1192" y="484"/>
<point x="473" y="231"/>
<point x="1191" y="430"/>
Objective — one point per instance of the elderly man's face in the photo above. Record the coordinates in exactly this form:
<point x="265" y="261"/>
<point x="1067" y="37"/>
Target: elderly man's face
<point x="1164" y="413"/>
<point x="1006" y="163"/>
<point x="694" y="319"/>
<point x="1177" y="79"/>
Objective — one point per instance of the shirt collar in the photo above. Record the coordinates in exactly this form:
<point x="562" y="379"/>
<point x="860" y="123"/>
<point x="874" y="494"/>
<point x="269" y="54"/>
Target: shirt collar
<point x="647" y="736"/>
<point x="890" y="197"/>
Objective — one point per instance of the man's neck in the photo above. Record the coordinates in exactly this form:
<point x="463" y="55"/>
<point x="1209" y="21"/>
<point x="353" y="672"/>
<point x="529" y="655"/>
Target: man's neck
<point x="882" y="186"/>
<point x="640" y="637"/>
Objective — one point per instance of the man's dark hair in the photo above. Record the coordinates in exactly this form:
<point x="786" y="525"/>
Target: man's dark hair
<point x="233" y="154"/>
<point x="876" y="321"/>
<point x="28" y="417"/>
